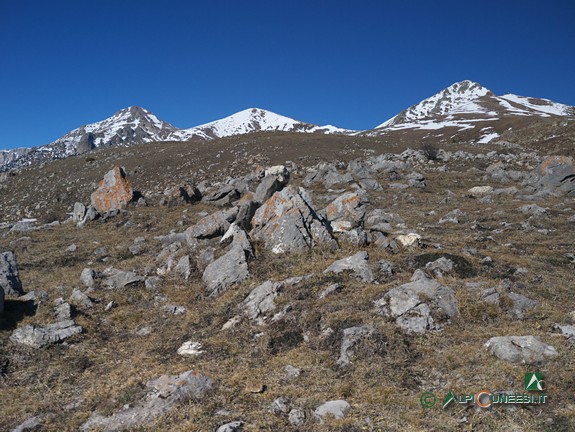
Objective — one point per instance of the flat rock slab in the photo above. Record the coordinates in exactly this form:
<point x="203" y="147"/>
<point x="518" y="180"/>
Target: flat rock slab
<point x="520" y="349"/>
<point x="41" y="336"/>
<point x="357" y="264"/>
<point x="165" y="392"/>
<point x="119" y="278"/>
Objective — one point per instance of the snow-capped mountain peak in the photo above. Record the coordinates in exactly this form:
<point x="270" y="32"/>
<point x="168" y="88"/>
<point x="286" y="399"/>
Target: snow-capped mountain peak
<point x="127" y="126"/>
<point x="251" y="120"/>
<point x="460" y="95"/>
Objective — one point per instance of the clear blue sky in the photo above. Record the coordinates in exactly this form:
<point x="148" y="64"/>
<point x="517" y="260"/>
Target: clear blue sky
<point x="353" y="64"/>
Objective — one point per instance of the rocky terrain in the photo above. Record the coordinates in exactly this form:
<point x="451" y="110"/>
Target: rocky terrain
<point x="298" y="282"/>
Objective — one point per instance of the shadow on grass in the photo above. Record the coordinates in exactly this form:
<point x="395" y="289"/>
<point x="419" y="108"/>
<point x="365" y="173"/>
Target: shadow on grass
<point x="15" y="311"/>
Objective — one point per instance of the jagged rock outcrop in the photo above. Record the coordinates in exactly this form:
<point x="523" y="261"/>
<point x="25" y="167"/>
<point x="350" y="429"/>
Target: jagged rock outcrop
<point x="358" y="264"/>
<point x="288" y="222"/>
<point x="114" y="191"/>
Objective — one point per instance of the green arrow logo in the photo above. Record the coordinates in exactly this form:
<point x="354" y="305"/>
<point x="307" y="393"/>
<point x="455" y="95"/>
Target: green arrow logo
<point x="448" y="399"/>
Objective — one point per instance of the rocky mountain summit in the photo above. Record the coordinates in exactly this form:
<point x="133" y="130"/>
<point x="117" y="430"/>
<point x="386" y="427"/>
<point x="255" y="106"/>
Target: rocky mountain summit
<point x="324" y="289"/>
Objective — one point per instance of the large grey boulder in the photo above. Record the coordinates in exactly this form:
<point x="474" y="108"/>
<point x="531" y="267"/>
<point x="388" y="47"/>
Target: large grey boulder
<point x="9" y="277"/>
<point x="40" y="336"/>
<point x="288" y="222"/>
<point x="419" y="305"/>
<point x="163" y="395"/>
<point x="555" y="175"/>
<point x="357" y="264"/>
<point x="212" y="226"/>
<point x="231" y="268"/>
<point x="335" y="408"/>
<point x="30" y="424"/>
<point x="520" y="349"/>
<point x="351" y="337"/>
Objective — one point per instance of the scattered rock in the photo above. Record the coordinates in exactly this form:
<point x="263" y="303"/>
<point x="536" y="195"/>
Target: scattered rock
<point x="114" y="191"/>
<point x="116" y="279"/>
<point x="79" y="212"/>
<point x="385" y="267"/>
<point x="566" y="330"/>
<point x="335" y="408"/>
<point x="419" y="305"/>
<point x="408" y="240"/>
<point x="9" y="277"/>
<point x="357" y="264"/>
<point x="292" y="372"/>
<point x="72" y="248"/>
<point x="31" y="424"/>
<point x="163" y="395"/>
<point x="351" y="337"/>
<point x="234" y="426"/>
<point x="62" y="310"/>
<point x="329" y="290"/>
<point x="110" y="306"/>
<point x="520" y="349"/>
<point x="190" y="348"/>
<point x="183" y="267"/>
<point x="440" y="266"/>
<point x="533" y="210"/>
<point x="222" y="196"/>
<point x="454" y="216"/>
<point x="296" y="417"/>
<point x="78" y="298"/>
<point x="479" y="191"/>
<point x="40" y="336"/>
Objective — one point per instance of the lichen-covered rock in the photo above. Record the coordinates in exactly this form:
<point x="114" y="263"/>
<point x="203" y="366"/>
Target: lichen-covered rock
<point x="9" y="277"/>
<point x="288" y="222"/>
<point x="114" y="191"/>
<point x="349" y="207"/>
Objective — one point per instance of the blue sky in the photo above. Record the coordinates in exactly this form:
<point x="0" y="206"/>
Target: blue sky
<point x="353" y="64"/>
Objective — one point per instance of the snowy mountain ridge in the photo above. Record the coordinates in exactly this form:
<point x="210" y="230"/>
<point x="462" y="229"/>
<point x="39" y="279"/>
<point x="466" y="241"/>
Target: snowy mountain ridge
<point x="464" y="105"/>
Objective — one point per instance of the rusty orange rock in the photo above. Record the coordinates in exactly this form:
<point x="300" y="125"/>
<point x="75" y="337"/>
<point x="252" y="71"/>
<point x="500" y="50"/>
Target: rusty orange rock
<point x="114" y="191"/>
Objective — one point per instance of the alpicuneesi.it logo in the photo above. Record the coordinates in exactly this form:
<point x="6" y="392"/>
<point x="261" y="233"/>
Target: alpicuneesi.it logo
<point x="533" y="382"/>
